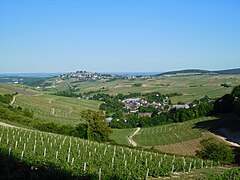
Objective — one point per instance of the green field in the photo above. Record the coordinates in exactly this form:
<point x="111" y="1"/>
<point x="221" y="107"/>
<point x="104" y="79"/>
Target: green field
<point x="58" y="109"/>
<point x="87" y="158"/>
<point x="178" y="138"/>
<point x="50" y="108"/>
<point x="120" y="136"/>
<point x="161" y="135"/>
<point x="21" y="89"/>
<point x="169" y="134"/>
<point x="192" y="87"/>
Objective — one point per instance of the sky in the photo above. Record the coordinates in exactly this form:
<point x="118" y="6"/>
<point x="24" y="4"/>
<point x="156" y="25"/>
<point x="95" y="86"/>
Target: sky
<point x="118" y="35"/>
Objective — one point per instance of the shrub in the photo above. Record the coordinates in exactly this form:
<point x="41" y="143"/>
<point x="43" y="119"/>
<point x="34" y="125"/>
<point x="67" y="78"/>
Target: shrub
<point x="216" y="151"/>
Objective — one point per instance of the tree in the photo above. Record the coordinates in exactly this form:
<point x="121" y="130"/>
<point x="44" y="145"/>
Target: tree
<point x="97" y="128"/>
<point x="81" y="131"/>
<point x="216" y="151"/>
<point x="236" y="92"/>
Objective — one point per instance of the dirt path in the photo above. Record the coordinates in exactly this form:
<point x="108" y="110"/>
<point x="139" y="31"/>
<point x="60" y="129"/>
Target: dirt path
<point x="53" y="111"/>
<point x="130" y="137"/>
<point x="38" y="94"/>
<point x="13" y="126"/>
<point x="13" y="100"/>
<point x="7" y="125"/>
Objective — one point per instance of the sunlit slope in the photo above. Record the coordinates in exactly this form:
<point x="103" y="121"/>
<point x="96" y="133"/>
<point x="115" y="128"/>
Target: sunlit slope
<point x="62" y="110"/>
<point x="192" y="87"/>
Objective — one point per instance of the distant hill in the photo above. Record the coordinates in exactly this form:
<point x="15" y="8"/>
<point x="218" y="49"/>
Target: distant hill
<point x="229" y="71"/>
<point x="200" y="71"/>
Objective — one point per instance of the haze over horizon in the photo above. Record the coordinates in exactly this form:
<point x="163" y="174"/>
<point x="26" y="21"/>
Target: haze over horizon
<point x="118" y="36"/>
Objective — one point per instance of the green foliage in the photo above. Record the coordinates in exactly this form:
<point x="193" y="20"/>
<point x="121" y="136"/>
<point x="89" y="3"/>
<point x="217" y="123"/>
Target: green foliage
<point x="81" y="131"/>
<point x="175" y="115"/>
<point x="111" y="106"/>
<point x="6" y="98"/>
<point x="236" y="92"/>
<point x="232" y="174"/>
<point x="216" y="151"/>
<point x="146" y="109"/>
<point x="226" y="85"/>
<point x="68" y="93"/>
<point x="154" y="97"/>
<point x="97" y="128"/>
<point x="137" y="85"/>
<point x="90" y="160"/>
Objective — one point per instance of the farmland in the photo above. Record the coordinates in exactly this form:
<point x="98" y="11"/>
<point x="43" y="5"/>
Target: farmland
<point x="56" y="109"/>
<point x="120" y="136"/>
<point x="169" y="134"/>
<point x="178" y="138"/>
<point x="50" y="108"/>
<point x="86" y="158"/>
<point x="192" y="87"/>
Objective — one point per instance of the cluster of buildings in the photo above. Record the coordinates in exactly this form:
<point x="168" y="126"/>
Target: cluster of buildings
<point x="134" y="103"/>
<point x="84" y="75"/>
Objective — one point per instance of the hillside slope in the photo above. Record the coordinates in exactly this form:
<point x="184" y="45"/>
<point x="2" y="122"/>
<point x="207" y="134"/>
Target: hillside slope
<point x="200" y="71"/>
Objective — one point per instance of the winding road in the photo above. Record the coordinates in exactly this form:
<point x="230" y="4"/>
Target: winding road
<point x="130" y="137"/>
<point x="13" y="100"/>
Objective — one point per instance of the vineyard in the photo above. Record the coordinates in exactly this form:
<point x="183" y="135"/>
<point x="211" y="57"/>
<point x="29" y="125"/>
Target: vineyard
<point x="192" y="87"/>
<point x="170" y="134"/>
<point x="86" y="158"/>
<point x="120" y="136"/>
<point x="178" y="138"/>
<point x="62" y="110"/>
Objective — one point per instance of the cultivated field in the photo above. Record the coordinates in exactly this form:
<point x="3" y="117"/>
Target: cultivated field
<point x="192" y="87"/>
<point x="169" y="134"/>
<point x="51" y="108"/>
<point x="58" y="109"/>
<point x="21" y="89"/>
<point x="86" y="158"/>
<point x="120" y="135"/>
<point x="178" y="138"/>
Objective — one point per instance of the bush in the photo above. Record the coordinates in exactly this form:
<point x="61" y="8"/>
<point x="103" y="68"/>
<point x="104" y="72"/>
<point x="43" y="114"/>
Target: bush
<point x="215" y="151"/>
<point x="228" y="174"/>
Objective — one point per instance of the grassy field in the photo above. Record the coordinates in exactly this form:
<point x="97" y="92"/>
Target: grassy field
<point x="192" y="87"/>
<point x="120" y="136"/>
